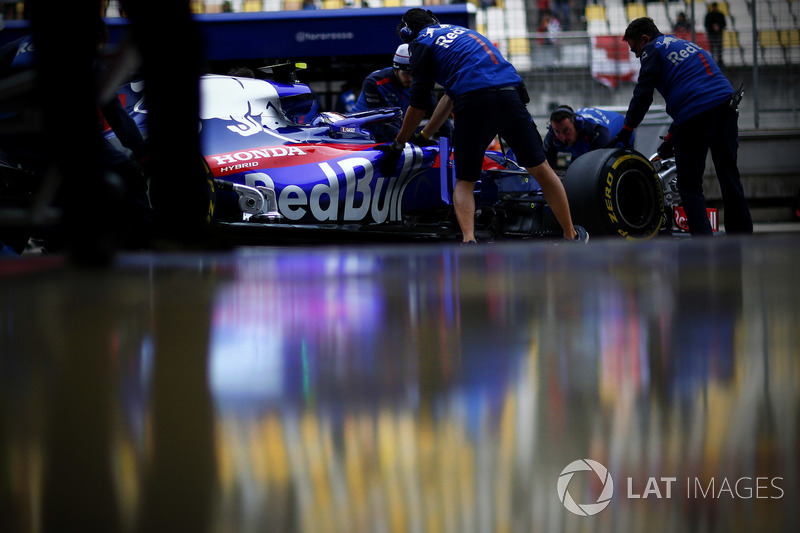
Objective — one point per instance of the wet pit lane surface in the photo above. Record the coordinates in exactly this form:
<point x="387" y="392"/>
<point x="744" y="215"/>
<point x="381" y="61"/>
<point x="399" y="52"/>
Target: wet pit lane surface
<point x="507" y="387"/>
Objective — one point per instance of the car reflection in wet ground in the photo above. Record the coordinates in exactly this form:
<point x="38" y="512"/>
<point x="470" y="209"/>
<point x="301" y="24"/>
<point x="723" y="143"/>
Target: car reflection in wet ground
<point x="512" y="386"/>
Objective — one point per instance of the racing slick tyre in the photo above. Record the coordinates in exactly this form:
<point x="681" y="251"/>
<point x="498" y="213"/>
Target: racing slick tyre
<point x="615" y="191"/>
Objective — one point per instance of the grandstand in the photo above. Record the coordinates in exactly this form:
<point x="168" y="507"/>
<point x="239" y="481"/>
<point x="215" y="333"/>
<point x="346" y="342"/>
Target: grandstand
<point x="583" y="64"/>
<point x="776" y="40"/>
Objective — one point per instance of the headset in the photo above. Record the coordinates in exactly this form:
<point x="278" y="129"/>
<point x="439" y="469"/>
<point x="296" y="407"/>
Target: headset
<point x="572" y="116"/>
<point x="407" y="34"/>
<point x="565" y="110"/>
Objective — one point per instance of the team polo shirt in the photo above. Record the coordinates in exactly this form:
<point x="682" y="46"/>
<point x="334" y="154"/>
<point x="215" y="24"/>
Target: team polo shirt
<point x="684" y="74"/>
<point x="594" y="127"/>
<point x="608" y="119"/>
<point x="457" y="58"/>
<point x="380" y="90"/>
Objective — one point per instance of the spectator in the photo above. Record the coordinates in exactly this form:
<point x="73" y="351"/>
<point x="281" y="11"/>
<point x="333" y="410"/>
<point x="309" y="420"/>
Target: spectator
<point x="562" y="12"/>
<point x="543" y="7"/>
<point x="715" y="27"/>
<point x="550" y="25"/>
<point x="682" y="27"/>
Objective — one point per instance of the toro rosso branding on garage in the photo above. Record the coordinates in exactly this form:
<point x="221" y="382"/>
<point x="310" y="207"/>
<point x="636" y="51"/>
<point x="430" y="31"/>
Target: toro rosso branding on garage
<point x="322" y="183"/>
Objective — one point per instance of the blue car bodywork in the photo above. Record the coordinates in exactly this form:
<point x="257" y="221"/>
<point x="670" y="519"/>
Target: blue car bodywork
<point x="276" y="173"/>
<point x="279" y="175"/>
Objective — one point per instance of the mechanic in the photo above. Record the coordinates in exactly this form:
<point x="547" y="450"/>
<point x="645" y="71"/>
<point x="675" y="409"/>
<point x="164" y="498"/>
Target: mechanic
<point x="390" y="87"/>
<point x="704" y="111"/>
<point x="134" y="212"/>
<point x="64" y="33"/>
<point x="488" y="98"/>
<point x="579" y="132"/>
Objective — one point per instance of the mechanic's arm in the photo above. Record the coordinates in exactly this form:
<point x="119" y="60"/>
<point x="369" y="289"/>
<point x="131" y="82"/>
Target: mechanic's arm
<point x="439" y="116"/>
<point x="411" y="120"/>
<point x="124" y="127"/>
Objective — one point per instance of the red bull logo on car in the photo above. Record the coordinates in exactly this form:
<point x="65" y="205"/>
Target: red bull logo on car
<point x="345" y="190"/>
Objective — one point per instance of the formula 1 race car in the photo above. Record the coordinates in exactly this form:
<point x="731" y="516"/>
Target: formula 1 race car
<point x="278" y="179"/>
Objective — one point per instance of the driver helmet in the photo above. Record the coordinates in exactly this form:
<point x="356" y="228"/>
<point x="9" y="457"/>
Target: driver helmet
<point x="402" y="59"/>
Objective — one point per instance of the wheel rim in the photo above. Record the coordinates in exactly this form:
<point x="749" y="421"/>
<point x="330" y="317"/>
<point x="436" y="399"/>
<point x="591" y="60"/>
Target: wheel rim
<point x="635" y="199"/>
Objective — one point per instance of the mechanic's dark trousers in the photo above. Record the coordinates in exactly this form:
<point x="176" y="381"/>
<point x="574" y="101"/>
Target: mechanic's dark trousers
<point x="179" y="189"/>
<point x="716" y="130"/>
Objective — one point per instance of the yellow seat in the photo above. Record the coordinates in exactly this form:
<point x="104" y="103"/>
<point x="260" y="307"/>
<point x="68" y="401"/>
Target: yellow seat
<point x="730" y="39"/>
<point x="252" y="6"/>
<point x="197" y="6"/>
<point x="769" y="38"/>
<point x="519" y="45"/>
<point x="332" y="4"/>
<point x="790" y="37"/>
<point x="392" y="3"/>
<point x="595" y="12"/>
<point x="635" y="11"/>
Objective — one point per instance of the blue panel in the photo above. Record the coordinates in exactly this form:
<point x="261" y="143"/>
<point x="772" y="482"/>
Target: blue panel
<point x="318" y="33"/>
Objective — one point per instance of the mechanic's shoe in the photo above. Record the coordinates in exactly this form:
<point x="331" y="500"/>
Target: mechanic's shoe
<point x="581" y="235"/>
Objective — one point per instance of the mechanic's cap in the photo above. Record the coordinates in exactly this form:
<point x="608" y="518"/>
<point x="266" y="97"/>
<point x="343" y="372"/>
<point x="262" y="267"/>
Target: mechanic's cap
<point x="402" y="58"/>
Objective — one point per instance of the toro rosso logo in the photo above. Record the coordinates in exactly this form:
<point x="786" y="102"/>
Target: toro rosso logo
<point x="668" y="41"/>
<point x="246" y="103"/>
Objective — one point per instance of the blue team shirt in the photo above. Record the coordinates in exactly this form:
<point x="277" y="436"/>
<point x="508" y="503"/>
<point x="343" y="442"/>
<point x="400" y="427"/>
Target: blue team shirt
<point x="25" y="53"/>
<point x="459" y="59"/>
<point x="595" y="128"/>
<point x="379" y="90"/>
<point x="686" y="76"/>
<point x="608" y="119"/>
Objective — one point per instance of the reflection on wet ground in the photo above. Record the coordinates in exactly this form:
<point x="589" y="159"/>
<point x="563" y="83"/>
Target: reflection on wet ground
<point x="509" y="387"/>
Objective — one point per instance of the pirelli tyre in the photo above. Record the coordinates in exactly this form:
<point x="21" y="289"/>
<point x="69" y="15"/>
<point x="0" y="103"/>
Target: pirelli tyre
<point x="615" y="191"/>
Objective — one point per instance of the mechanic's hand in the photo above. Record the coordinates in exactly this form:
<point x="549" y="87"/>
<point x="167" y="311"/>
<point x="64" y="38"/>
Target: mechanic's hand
<point x="667" y="148"/>
<point x="623" y="138"/>
<point x="419" y="139"/>
<point x="391" y="155"/>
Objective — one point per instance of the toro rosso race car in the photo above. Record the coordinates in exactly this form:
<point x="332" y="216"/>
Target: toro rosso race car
<point x="279" y="179"/>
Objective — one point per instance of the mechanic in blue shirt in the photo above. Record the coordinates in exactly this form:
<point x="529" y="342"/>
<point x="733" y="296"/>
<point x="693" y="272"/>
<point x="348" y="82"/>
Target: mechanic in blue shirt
<point x="390" y="87"/>
<point x="487" y="97"/>
<point x="579" y="132"/>
<point x="703" y="107"/>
